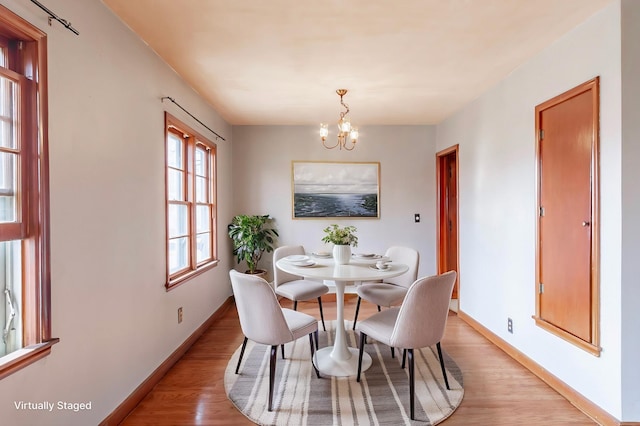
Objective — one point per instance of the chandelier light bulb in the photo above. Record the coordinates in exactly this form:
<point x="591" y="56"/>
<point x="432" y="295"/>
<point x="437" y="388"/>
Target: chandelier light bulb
<point x="345" y="126"/>
<point x="324" y="131"/>
<point x="354" y="134"/>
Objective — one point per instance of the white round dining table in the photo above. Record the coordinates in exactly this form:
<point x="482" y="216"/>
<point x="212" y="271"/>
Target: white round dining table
<point x="340" y="359"/>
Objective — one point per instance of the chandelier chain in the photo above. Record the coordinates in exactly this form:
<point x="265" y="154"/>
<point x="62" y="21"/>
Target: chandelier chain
<point x="343" y="114"/>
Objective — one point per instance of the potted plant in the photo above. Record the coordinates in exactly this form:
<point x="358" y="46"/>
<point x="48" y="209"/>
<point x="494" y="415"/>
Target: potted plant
<point x="342" y="240"/>
<point x="252" y="236"/>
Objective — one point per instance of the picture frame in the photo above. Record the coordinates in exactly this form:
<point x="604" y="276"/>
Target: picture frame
<point x="323" y="189"/>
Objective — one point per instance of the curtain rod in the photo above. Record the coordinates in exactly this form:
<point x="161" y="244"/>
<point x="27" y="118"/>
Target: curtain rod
<point x="192" y="116"/>
<point x="52" y="15"/>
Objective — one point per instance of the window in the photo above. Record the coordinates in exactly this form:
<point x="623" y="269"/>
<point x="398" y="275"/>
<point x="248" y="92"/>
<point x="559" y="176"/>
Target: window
<point x="191" y="202"/>
<point x="24" y="209"/>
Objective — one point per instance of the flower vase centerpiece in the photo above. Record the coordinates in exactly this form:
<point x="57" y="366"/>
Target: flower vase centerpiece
<point x="342" y="240"/>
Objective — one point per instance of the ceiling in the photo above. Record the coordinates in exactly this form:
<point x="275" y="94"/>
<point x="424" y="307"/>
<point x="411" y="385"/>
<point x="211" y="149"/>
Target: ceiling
<point x="404" y="62"/>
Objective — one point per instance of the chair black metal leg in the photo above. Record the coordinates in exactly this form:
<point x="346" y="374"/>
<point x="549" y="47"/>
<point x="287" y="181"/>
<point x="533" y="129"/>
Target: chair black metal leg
<point x="404" y="357"/>
<point x="244" y="345"/>
<point x="315" y="334"/>
<point x="321" y="313"/>
<point x="444" y="372"/>
<point x="411" y="384"/>
<point x="295" y="305"/>
<point x="393" y="352"/>
<point x="378" y="308"/>
<point x="282" y="346"/>
<point x="272" y="373"/>
<point x="363" y="337"/>
<point x="312" y="352"/>
<point x="357" y="310"/>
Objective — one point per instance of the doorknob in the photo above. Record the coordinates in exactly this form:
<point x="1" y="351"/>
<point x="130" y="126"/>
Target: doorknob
<point x="585" y="224"/>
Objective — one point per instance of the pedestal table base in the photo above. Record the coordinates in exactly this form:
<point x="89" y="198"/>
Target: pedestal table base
<point x="330" y="366"/>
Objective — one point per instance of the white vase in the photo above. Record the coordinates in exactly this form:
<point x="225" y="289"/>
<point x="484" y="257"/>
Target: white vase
<point x="341" y="254"/>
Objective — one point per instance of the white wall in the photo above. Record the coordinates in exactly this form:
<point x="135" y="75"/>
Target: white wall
<point x="498" y="204"/>
<point x="630" y="210"/>
<point x="115" y="321"/>
<point x="262" y="184"/>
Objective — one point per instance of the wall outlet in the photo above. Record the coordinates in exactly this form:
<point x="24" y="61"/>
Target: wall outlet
<point x="510" y="325"/>
<point x="179" y="314"/>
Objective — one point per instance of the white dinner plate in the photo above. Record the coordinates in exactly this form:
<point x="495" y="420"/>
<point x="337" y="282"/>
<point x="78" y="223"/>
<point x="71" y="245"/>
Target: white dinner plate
<point x="296" y="258"/>
<point x="304" y="264"/>
<point x="366" y="255"/>
<point x="375" y="268"/>
<point x="322" y="254"/>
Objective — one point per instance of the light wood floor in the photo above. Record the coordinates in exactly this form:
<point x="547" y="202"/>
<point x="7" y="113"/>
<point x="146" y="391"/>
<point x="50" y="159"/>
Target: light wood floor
<point x="498" y="390"/>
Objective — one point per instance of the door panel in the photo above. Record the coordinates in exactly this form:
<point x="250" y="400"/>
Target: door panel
<point x="452" y="217"/>
<point x="565" y="219"/>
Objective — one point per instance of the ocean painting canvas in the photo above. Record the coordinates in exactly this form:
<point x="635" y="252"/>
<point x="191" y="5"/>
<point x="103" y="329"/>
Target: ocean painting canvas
<point x="334" y="189"/>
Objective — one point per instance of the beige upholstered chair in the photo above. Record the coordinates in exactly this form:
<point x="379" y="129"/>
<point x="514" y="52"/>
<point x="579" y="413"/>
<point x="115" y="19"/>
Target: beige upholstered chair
<point x="264" y="321"/>
<point x="294" y="287"/>
<point x="418" y="323"/>
<point x="391" y="292"/>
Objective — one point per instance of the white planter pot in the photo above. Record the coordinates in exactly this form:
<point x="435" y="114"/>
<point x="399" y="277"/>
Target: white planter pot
<point x="341" y="254"/>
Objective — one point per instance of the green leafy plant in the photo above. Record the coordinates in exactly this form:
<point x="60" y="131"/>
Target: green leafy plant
<point x="252" y="236"/>
<point x="345" y="236"/>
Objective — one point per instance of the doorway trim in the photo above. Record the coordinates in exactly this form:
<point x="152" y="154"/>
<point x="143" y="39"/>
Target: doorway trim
<point x="440" y="220"/>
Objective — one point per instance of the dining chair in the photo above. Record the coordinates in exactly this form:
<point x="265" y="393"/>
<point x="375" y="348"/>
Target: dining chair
<point x="294" y="287"/>
<point x="263" y="320"/>
<point x="418" y="323"/>
<point x="391" y="291"/>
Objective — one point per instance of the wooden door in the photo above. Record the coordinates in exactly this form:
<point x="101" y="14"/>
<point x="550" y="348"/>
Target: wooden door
<point x="447" y="171"/>
<point x="567" y="154"/>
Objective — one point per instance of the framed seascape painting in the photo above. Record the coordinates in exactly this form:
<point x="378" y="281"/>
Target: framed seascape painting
<point x="335" y="190"/>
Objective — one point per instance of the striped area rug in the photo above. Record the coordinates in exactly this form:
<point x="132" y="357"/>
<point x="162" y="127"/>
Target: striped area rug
<point x="381" y="397"/>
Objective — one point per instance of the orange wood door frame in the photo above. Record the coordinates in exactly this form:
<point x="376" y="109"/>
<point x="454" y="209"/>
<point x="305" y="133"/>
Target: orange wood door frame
<point x="447" y="214"/>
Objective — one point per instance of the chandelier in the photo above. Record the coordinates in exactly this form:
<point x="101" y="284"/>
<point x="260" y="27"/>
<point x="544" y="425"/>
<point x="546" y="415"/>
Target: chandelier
<point x="344" y="128"/>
